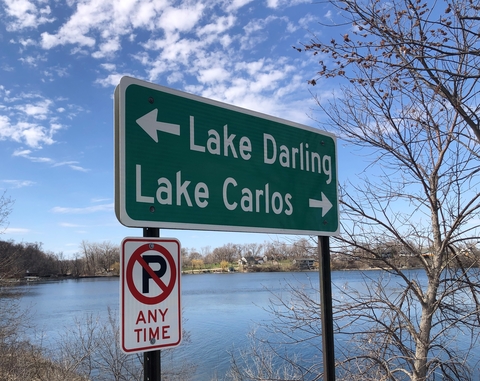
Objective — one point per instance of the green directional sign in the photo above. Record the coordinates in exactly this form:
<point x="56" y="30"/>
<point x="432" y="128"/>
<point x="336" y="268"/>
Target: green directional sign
<point x="186" y="162"/>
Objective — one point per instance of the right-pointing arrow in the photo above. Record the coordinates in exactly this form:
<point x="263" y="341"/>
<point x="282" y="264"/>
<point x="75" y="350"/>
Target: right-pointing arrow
<point x="324" y="204"/>
<point x="150" y="125"/>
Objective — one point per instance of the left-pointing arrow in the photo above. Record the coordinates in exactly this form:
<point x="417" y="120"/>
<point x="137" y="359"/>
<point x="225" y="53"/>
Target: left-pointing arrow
<point x="150" y="125"/>
<point x="324" y="203"/>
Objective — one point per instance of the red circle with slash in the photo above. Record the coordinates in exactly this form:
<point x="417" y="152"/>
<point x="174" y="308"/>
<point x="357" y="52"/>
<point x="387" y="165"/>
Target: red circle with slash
<point x="166" y="288"/>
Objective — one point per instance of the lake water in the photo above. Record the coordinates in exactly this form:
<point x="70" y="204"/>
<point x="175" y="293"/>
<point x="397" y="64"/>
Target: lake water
<point x="219" y="310"/>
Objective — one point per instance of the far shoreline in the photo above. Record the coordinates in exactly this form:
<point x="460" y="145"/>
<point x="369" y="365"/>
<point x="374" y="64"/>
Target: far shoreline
<point x="56" y="278"/>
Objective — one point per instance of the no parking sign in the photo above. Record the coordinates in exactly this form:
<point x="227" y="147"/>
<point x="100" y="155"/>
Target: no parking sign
<point x="150" y="294"/>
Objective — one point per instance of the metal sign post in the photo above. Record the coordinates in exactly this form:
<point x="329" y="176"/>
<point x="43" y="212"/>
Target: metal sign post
<point x="152" y="368"/>
<point x="326" y="309"/>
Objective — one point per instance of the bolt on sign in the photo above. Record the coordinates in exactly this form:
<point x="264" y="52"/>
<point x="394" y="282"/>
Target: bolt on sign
<point x="186" y="162"/>
<point x="150" y="306"/>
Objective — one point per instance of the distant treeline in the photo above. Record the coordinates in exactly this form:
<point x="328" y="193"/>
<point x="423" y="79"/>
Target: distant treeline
<point x="234" y="254"/>
<point x="18" y="260"/>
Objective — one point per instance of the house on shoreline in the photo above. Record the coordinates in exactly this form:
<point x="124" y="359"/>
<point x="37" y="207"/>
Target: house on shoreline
<point x="305" y="263"/>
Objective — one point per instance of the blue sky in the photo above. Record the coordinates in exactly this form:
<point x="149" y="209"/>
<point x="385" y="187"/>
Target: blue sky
<point x="59" y="65"/>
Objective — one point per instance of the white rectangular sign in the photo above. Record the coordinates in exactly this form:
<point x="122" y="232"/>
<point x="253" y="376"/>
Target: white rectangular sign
<point x="150" y="306"/>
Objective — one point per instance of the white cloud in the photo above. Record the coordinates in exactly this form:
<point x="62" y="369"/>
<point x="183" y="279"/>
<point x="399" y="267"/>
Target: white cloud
<point x="285" y="3"/>
<point x="257" y="31"/>
<point x="225" y="40"/>
<point x="32" y="134"/>
<point x="180" y="19"/>
<point x="258" y="24"/>
<point x="38" y="110"/>
<point x="175" y="77"/>
<point x="18" y="183"/>
<point x="16" y="231"/>
<point x="251" y="67"/>
<point x="78" y="168"/>
<point x="107" y="48"/>
<point x="109" y="67"/>
<point x="25" y="14"/>
<point x="5" y="128"/>
<point x="28" y="118"/>
<point x="72" y="164"/>
<point x="39" y="159"/>
<point x="70" y="225"/>
<point x="88" y="16"/>
<point x="100" y="199"/>
<point x="144" y="15"/>
<point x="269" y="80"/>
<point x="86" y="210"/>
<point x="7" y="68"/>
<point x="32" y="60"/>
<point x="101" y="24"/>
<point x="305" y="22"/>
<point x="27" y="154"/>
<point x="221" y="25"/>
<point x="237" y="4"/>
<point x="216" y="74"/>
<point x="24" y="152"/>
<point x="264" y="85"/>
<point x="111" y="79"/>
<point x="178" y="52"/>
<point x="64" y="37"/>
<point x="26" y="42"/>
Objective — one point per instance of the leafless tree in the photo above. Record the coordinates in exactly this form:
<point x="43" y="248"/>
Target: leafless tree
<point x="409" y="106"/>
<point x="89" y="258"/>
<point x="195" y="255"/>
<point x="185" y="261"/>
<point x="6" y="260"/>
<point x="228" y="253"/>
<point x="205" y="250"/>
<point x="276" y="250"/>
<point x="388" y="47"/>
<point x="99" y="258"/>
<point x="107" y="254"/>
<point x="91" y="348"/>
<point x="303" y="248"/>
<point x="78" y="264"/>
<point x="277" y="348"/>
<point x="6" y="204"/>
<point x="63" y="264"/>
